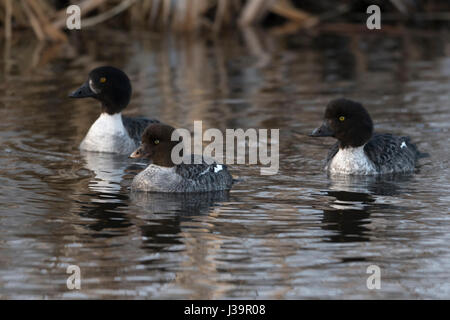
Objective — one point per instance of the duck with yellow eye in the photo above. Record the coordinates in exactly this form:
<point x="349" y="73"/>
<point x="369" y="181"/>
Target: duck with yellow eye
<point x="359" y="150"/>
<point x="111" y="132"/>
<point x="196" y="173"/>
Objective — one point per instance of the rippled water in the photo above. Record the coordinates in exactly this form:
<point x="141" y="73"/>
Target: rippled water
<point x="297" y="234"/>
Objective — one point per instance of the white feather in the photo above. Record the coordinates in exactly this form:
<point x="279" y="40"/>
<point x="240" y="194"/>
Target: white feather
<point x="218" y="168"/>
<point x="91" y="86"/>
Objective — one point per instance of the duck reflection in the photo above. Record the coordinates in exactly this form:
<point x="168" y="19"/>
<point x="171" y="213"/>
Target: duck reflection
<point x="182" y="204"/>
<point x="355" y="197"/>
<point x="109" y="170"/>
<point x="107" y="199"/>
<point x="108" y="215"/>
<point x="381" y="185"/>
<point x="163" y="213"/>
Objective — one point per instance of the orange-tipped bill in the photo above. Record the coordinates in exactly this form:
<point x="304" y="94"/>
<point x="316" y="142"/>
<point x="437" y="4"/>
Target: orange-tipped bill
<point x="138" y="153"/>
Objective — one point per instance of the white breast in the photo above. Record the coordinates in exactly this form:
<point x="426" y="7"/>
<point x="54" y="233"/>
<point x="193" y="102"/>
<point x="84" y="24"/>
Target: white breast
<point x="107" y="134"/>
<point x="351" y="161"/>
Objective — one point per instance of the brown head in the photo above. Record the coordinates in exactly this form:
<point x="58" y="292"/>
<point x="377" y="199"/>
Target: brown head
<point x="157" y="145"/>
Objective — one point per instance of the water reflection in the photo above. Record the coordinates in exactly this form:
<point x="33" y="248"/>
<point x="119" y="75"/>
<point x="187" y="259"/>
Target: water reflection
<point x="273" y="236"/>
<point x="181" y="204"/>
<point x="108" y="193"/>
<point x="384" y="185"/>
<point x="349" y="216"/>
<point x="355" y="198"/>
<point x="106" y="215"/>
<point x="109" y="170"/>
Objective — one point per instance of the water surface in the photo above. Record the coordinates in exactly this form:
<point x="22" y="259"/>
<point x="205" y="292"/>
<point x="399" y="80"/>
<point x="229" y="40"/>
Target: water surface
<point x="296" y="235"/>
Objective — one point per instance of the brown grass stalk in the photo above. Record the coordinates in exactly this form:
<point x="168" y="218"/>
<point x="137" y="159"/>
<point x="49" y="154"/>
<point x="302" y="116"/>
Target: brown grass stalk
<point x="8" y="18"/>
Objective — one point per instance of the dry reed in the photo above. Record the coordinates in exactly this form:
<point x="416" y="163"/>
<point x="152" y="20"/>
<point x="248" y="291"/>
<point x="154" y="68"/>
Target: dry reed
<point x="48" y="23"/>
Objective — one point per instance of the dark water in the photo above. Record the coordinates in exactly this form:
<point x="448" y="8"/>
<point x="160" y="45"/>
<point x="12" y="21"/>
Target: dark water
<point x="297" y="234"/>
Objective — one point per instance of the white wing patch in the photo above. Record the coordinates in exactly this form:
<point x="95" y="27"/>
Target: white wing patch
<point x="403" y="145"/>
<point x="217" y="168"/>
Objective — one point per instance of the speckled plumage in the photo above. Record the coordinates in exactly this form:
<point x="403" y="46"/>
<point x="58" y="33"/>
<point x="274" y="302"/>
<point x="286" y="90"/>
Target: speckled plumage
<point x="385" y="153"/>
<point x="359" y="151"/>
<point x="184" y="177"/>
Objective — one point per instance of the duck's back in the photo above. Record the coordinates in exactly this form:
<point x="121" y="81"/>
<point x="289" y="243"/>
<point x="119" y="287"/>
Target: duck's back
<point x="204" y="176"/>
<point x="194" y="177"/>
<point x="136" y="126"/>
<point x="388" y="153"/>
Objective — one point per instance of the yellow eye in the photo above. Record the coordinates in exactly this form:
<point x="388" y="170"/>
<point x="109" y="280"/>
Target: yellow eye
<point x="102" y="80"/>
<point x="156" y="141"/>
<point x="341" y="118"/>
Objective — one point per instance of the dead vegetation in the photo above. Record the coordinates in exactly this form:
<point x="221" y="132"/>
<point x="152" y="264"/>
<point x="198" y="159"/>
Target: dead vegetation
<point x="47" y="18"/>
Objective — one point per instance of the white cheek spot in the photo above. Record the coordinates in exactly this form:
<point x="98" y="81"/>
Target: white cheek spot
<point x="403" y="145"/>
<point x="218" y="168"/>
<point x="91" y="85"/>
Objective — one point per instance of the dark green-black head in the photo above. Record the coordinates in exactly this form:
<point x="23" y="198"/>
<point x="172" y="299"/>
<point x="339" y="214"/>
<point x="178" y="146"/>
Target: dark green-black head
<point x="347" y="121"/>
<point x="109" y="85"/>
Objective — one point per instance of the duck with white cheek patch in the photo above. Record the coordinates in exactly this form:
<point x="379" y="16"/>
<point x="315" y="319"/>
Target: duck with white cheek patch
<point x="359" y="150"/>
<point x="111" y="132"/>
<point x="163" y="175"/>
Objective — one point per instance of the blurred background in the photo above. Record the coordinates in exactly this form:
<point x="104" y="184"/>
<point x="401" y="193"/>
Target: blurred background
<point x="47" y="18"/>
